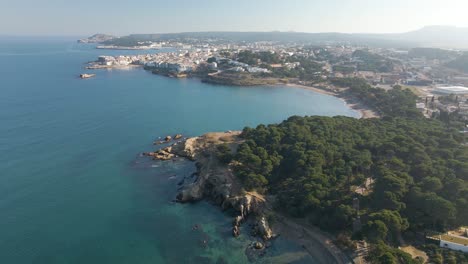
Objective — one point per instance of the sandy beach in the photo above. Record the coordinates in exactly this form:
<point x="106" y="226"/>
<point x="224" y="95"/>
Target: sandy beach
<point x="364" y="111"/>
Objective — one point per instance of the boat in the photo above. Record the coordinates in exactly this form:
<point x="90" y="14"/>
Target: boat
<point x="86" y="75"/>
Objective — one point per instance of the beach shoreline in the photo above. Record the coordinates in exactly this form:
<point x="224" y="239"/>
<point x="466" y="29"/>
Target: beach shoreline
<point x="353" y="103"/>
<point x="364" y="111"/>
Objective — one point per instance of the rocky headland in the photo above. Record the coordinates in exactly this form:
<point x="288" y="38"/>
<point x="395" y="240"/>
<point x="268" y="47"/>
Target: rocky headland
<point x="97" y="38"/>
<point x="215" y="181"/>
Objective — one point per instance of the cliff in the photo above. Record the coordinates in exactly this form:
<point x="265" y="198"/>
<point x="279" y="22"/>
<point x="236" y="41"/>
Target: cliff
<point x="215" y="181"/>
<point x="97" y="38"/>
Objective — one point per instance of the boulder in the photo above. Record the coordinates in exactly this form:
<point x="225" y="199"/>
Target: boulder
<point x="178" y="136"/>
<point x="163" y="154"/>
<point x="191" y="193"/>
<point x="263" y="229"/>
<point x="235" y="231"/>
<point x="237" y="220"/>
<point x="258" y="245"/>
<point x="168" y="138"/>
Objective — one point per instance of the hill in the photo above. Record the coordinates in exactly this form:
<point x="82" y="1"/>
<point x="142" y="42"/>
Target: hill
<point x="431" y="36"/>
<point x="97" y="38"/>
<point x="460" y="63"/>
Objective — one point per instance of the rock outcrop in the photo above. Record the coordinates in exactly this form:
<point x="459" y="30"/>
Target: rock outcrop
<point x="216" y="181"/>
<point x="162" y="154"/>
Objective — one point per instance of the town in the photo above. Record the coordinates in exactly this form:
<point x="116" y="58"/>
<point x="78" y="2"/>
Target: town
<point x="438" y="77"/>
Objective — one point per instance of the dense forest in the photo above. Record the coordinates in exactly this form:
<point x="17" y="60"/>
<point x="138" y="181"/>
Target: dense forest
<point x="396" y="102"/>
<point x="417" y="167"/>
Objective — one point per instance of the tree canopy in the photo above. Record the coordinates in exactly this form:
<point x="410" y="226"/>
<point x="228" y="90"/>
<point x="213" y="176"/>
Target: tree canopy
<point x="418" y="168"/>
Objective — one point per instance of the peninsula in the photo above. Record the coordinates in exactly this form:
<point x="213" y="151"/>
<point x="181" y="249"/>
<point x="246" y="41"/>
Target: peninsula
<point x="372" y="185"/>
<point x="350" y="177"/>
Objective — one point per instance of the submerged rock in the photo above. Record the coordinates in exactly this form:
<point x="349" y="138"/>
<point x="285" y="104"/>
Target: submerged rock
<point x="235" y="231"/>
<point x="162" y="154"/>
<point x="258" y="245"/>
<point x="216" y="181"/>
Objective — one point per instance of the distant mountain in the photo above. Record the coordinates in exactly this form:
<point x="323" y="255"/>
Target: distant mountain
<point x="97" y="38"/>
<point x="435" y="36"/>
<point x="298" y="37"/>
<point x="431" y="36"/>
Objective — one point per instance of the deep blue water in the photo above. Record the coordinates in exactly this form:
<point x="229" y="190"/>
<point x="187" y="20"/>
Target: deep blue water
<point x="72" y="187"/>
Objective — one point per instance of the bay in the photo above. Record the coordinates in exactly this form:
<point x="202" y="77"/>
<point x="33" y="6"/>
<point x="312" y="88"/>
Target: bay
<point x="73" y="188"/>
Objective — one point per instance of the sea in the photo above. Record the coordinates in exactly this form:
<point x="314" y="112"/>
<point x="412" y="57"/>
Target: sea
<point x="73" y="185"/>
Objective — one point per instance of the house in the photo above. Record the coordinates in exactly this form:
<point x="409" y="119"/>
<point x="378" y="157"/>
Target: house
<point x="454" y="242"/>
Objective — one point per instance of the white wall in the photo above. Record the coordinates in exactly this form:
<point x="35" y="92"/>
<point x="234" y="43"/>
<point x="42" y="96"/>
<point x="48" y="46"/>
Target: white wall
<point x="453" y="246"/>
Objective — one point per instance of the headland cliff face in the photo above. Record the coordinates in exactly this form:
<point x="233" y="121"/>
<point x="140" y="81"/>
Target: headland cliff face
<point x="216" y="181"/>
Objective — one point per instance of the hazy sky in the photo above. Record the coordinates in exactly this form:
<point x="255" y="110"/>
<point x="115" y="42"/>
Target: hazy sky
<point x="84" y="17"/>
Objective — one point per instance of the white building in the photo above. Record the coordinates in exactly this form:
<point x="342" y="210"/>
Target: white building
<point x="451" y="90"/>
<point x="454" y="242"/>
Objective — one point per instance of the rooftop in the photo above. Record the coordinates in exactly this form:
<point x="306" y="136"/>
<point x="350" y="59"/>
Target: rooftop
<point x="454" y="88"/>
<point x="455" y="239"/>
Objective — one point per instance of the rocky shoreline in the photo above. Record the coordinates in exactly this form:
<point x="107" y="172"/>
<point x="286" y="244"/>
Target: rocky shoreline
<point x="216" y="182"/>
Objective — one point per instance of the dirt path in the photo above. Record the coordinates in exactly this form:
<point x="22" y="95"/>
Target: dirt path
<point x="416" y="253"/>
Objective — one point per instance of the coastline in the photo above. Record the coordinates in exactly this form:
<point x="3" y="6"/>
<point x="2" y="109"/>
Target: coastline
<point x="249" y="81"/>
<point x="316" y="242"/>
<point x="216" y="182"/>
<point x="364" y="111"/>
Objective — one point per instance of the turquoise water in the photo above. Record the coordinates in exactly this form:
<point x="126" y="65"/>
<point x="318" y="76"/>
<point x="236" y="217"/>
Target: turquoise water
<point x="73" y="188"/>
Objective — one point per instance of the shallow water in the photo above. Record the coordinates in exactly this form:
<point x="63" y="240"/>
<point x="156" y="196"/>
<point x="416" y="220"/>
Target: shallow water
<point x="73" y="188"/>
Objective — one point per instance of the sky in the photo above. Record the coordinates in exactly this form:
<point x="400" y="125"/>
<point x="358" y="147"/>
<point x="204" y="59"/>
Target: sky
<point x="119" y="17"/>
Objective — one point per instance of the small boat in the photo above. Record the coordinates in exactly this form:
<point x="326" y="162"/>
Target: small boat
<point x="86" y="75"/>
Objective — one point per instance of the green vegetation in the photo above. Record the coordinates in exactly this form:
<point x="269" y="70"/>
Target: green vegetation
<point x="307" y="69"/>
<point x="439" y="255"/>
<point x="382" y="254"/>
<point x="223" y="153"/>
<point x="372" y="62"/>
<point x="344" y="69"/>
<point x="397" y="102"/>
<point x="314" y="164"/>
<point x="256" y="58"/>
<point x="432" y="53"/>
<point x="451" y="98"/>
<point x="452" y="119"/>
<point x="460" y="63"/>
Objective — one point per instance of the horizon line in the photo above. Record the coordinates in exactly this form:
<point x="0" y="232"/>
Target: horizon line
<point x="223" y="31"/>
